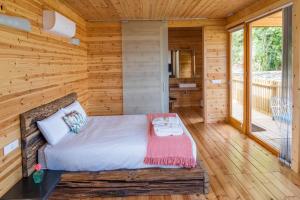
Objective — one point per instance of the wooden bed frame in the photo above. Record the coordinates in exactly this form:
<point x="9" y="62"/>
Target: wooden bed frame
<point x="117" y="183"/>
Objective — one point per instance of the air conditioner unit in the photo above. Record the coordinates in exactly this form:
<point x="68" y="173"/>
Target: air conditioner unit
<point x="58" y="24"/>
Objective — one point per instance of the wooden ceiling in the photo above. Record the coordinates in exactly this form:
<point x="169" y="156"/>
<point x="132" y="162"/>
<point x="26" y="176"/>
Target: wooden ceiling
<point x="112" y="10"/>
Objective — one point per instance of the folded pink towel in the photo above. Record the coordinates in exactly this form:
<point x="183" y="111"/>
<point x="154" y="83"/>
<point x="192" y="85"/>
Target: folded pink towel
<point x="168" y="150"/>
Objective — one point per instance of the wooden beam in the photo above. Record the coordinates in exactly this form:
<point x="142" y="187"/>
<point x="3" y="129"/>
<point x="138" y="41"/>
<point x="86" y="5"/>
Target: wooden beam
<point x="196" y="23"/>
<point x="256" y="10"/>
<point x="274" y="20"/>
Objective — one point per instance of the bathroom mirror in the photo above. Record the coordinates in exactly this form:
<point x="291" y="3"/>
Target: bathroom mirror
<point x="182" y="63"/>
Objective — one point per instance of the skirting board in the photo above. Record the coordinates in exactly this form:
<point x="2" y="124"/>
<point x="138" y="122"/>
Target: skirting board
<point x="119" y="183"/>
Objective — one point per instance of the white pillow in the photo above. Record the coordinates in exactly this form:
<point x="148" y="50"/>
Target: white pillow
<point x="75" y="107"/>
<point x="54" y="128"/>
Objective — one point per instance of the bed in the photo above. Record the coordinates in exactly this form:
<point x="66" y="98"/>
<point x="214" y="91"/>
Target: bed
<point x="117" y="142"/>
<point x="120" y="150"/>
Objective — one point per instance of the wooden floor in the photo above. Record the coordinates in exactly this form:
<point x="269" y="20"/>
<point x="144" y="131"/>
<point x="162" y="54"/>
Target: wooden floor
<point x="238" y="167"/>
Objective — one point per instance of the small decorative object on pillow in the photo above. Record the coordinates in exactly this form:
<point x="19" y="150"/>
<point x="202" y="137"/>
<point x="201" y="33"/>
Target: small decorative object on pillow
<point x="75" y="107"/>
<point x="75" y="121"/>
<point x="38" y="173"/>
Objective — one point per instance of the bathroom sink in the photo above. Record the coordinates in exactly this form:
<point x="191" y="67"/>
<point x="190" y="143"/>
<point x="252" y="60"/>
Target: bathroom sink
<point x="187" y="85"/>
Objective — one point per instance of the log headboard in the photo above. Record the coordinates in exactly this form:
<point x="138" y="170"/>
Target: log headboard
<point x="31" y="137"/>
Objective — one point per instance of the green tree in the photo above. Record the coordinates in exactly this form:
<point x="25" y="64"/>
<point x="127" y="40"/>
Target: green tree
<point x="237" y="50"/>
<point x="267" y="48"/>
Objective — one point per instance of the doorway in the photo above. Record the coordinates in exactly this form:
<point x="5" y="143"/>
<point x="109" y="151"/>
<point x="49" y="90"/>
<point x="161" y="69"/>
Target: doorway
<point x="185" y="70"/>
<point x="260" y="80"/>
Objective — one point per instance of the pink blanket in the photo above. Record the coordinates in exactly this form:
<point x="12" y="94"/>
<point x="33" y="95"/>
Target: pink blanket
<point x="169" y="150"/>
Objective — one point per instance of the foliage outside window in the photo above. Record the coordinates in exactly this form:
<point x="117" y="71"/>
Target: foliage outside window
<point x="266" y="48"/>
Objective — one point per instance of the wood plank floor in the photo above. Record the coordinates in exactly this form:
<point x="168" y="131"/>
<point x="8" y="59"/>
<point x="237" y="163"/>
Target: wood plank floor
<point x="238" y="167"/>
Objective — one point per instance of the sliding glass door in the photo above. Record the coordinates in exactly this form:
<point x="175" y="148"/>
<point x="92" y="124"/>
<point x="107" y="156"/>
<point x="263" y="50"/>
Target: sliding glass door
<point x="270" y="81"/>
<point x="266" y="76"/>
<point x="237" y="83"/>
<point x="261" y="81"/>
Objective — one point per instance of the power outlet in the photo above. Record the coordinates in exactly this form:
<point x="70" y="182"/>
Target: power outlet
<point x="216" y="81"/>
<point x="10" y="147"/>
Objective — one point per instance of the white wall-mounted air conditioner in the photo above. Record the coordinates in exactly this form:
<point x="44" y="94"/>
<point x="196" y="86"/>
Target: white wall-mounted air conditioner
<point x="58" y="24"/>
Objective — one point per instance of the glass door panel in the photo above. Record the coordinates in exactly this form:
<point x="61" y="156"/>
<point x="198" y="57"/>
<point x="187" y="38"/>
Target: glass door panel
<point x="266" y="47"/>
<point x="237" y="75"/>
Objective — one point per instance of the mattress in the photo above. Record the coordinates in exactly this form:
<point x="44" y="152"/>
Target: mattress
<point x="106" y="143"/>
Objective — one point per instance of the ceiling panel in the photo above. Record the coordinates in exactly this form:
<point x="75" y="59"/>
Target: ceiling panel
<point x="107" y="10"/>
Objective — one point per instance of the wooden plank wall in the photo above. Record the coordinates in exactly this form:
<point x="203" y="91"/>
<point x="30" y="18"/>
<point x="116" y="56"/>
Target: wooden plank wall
<point x="296" y="88"/>
<point x="104" y="40"/>
<point x="188" y="38"/>
<point x="35" y="68"/>
<point x="215" y="68"/>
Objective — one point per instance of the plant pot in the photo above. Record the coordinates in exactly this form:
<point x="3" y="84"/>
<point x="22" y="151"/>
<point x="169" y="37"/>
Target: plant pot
<point x="38" y="176"/>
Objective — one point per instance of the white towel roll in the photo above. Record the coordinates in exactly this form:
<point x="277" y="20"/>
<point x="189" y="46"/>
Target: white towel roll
<point x="165" y="120"/>
<point x="168" y="130"/>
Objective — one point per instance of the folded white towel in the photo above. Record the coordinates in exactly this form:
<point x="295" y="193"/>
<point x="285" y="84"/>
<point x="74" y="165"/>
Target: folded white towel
<point x="165" y="120"/>
<point x="168" y="130"/>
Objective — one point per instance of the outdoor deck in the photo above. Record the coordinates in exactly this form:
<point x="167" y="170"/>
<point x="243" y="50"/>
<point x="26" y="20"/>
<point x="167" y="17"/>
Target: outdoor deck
<point x="271" y="134"/>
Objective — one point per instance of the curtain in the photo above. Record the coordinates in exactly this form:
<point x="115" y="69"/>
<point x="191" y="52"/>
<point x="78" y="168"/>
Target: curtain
<point x="285" y="117"/>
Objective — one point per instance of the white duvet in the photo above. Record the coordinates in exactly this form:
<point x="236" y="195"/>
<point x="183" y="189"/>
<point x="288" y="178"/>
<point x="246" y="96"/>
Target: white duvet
<point x="106" y="143"/>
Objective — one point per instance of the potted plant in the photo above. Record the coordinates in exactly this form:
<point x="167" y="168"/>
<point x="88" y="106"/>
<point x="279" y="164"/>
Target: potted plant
<point x="38" y="174"/>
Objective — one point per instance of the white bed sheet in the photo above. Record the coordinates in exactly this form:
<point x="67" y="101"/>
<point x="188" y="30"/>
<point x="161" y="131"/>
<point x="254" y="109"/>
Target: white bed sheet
<point x="106" y="143"/>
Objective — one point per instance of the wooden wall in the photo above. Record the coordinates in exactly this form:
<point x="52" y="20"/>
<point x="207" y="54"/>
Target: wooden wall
<point x="296" y="88"/>
<point x="188" y="38"/>
<point x="35" y="68"/>
<point x="215" y="68"/>
<point x="104" y="41"/>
